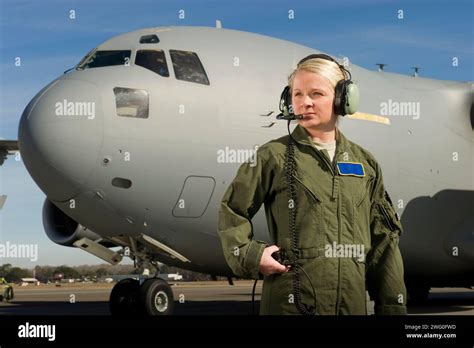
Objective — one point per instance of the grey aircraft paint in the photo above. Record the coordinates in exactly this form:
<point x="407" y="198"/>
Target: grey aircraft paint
<point x="170" y="159"/>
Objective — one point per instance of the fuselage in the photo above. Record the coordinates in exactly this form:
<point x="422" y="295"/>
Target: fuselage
<point x="128" y="169"/>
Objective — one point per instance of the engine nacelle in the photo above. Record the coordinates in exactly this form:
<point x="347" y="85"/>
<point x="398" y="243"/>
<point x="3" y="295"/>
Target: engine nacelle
<point x="62" y="229"/>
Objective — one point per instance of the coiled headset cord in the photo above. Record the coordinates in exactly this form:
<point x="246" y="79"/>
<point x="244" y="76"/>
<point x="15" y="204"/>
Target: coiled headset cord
<point x="290" y="171"/>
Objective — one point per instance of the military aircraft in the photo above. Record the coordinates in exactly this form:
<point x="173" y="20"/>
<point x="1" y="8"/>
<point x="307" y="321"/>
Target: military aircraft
<point x="135" y="146"/>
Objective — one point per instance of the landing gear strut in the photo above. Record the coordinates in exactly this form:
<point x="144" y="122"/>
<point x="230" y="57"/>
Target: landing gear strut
<point x="153" y="297"/>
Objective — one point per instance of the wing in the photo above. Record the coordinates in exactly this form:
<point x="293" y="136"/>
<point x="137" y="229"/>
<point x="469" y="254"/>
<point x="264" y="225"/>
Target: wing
<point x="7" y="147"/>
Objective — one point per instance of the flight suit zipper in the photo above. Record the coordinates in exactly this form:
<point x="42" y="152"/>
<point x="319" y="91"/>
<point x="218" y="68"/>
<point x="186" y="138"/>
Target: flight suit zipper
<point x="325" y="160"/>
<point x="332" y="167"/>
<point x="338" y="300"/>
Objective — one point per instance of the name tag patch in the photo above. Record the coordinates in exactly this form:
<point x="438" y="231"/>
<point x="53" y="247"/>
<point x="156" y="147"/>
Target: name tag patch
<point x="351" y="168"/>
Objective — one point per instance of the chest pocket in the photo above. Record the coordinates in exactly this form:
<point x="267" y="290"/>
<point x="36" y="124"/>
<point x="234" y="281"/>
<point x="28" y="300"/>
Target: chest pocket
<point x="355" y="194"/>
<point x="360" y="210"/>
<point x="362" y="193"/>
<point x="357" y="180"/>
<point x="314" y="204"/>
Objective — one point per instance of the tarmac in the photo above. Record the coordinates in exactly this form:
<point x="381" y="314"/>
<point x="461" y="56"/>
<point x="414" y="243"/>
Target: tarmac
<point x="195" y="298"/>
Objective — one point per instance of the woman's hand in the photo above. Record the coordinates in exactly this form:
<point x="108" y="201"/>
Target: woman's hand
<point x="268" y="265"/>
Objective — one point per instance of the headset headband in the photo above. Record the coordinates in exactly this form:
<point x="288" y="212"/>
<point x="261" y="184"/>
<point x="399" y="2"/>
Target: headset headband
<point x="325" y="56"/>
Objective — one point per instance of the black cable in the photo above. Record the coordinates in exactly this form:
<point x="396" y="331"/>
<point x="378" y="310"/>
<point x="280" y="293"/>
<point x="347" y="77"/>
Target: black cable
<point x="289" y="133"/>
<point x="253" y="296"/>
<point x="290" y="172"/>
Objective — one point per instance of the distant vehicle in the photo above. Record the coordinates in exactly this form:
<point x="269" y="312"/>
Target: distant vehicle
<point x="58" y="277"/>
<point x="28" y="281"/>
<point x="6" y="290"/>
<point x="171" y="276"/>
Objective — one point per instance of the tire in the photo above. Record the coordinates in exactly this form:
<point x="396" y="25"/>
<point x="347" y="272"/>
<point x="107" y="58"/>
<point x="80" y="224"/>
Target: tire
<point x="9" y="294"/>
<point x="156" y="297"/>
<point x="124" y="298"/>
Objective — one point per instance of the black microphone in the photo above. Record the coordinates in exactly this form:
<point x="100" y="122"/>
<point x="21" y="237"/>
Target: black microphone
<point x="290" y="117"/>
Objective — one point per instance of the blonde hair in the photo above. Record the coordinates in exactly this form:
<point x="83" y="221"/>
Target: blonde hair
<point x="322" y="67"/>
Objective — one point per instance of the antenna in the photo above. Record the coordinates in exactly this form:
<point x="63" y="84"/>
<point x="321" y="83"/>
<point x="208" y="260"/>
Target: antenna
<point x="416" y="68"/>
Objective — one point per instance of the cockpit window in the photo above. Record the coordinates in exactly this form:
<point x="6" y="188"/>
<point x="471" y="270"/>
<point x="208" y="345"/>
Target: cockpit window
<point x="149" y="39"/>
<point x="86" y="57"/>
<point x="99" y="59"/>
<point x="131" y="102"/>
<point x="153" y="60"/>
<point x="188" y="67"/>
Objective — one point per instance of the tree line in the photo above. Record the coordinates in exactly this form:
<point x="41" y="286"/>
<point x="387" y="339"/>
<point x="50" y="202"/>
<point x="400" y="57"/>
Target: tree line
<point x="91" y="272"/>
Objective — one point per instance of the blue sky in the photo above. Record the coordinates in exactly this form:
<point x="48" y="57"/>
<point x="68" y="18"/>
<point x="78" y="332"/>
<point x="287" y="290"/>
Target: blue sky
<point x="431" y="33"/>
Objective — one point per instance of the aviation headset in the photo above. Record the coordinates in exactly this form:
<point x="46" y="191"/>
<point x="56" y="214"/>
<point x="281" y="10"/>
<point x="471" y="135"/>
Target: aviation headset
<point x="346" y="96"/>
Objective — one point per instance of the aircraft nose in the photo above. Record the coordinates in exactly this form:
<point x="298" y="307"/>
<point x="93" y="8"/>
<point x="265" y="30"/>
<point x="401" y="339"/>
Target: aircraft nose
<point x="60" y="135"/>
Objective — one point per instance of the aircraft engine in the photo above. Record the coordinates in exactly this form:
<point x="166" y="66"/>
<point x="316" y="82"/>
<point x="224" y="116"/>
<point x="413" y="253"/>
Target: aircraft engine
<point x="62" y="229"/>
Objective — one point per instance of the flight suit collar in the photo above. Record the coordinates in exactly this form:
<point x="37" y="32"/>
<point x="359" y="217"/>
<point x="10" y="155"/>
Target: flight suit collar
<point x="302" y="136"/>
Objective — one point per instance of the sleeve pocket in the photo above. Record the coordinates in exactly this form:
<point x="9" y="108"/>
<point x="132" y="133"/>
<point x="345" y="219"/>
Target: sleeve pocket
<point x="390" y="216"/>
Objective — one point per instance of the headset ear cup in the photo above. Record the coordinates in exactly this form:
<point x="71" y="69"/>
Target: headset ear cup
<point x="338" y="98"/>
<point x="351" y="98"/>
<point x="346" y="98"/>
<point x="284" y="108"/>
<point x="289" y="102"/>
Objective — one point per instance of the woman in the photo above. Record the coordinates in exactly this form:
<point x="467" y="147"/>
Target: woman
<point x="328" y="213"/>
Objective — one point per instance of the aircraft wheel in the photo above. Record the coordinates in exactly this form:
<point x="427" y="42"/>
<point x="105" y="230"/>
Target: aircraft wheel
<point x="124" y="297"/>
<point x="156" y="297"/>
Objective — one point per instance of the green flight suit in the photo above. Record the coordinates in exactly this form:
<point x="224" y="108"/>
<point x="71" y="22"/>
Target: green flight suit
<point x="345" y="209"/>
